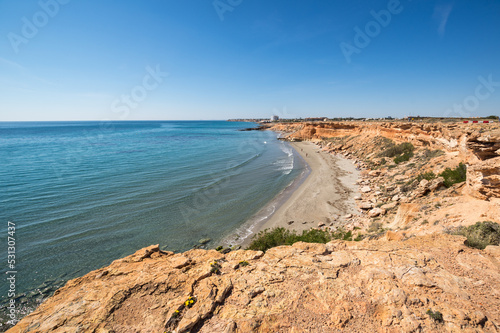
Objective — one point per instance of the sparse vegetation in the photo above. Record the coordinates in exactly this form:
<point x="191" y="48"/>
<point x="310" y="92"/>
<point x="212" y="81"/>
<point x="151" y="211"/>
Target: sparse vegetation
<point x="375" y="227"/>
<point x="403" y="158"/>
<point x="426" y="175"/>
<point x="480" y="234"/>
<point x="215" y="267"/>
<point x="267" y="239"/>
<point x="397" y="150"/>
<point x="429" y="154"/>
<point x="190" y="302"/>
<point x="435" y="315"/>
<point x="454" y="176"/>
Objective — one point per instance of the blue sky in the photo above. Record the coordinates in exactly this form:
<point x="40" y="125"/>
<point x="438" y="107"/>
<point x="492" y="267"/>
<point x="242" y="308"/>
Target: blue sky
<point x="163" y="59"/>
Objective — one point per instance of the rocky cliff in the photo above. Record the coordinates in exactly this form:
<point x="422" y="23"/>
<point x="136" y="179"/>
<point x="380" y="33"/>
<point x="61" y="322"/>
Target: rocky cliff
<point x="408" y="274"/>
<point x="475" y="144"/>
<point x="422" y="284"/>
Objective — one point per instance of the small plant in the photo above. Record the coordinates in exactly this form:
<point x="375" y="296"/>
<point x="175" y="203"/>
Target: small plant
<point x="342" y="235"/>
<point x="359" y="237"/>
<point x="375" y="227"/>
<point x="218" y="248"/>
<point x="454" y="176"/>
<point x="243" y="263"/>
<point x="436" y="315"/>
<point x="428" y="154"/>
<point x="403" y="158"/>
<point x="383" y="161"/>
<point x="396" y="150"/>
<point x="267" y="239"/>
<point x="427" y="176"/>
<point x="190" y="302"/>
<point x="176" y="314"/>
<point x="424" y="222"/>
<point x="215" y="267"/>
<point x="480" y="234"/>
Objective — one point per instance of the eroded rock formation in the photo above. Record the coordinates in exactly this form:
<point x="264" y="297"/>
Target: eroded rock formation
<point x="368" y="286"/>
<point x="477" y="145"/>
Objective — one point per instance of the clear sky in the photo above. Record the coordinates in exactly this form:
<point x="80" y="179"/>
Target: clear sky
<point x="172" y="59"/>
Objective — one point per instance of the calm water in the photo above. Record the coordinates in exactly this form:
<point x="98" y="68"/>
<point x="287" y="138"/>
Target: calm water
<point x="83" y="194"/>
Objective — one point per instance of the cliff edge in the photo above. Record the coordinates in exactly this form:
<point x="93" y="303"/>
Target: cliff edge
<point x="422" y="284"/>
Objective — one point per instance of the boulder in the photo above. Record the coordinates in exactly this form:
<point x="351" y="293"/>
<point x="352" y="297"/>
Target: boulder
<point x="376" y="212"/>
<point x="365" y="205"/>
<point x="365" y="189"/>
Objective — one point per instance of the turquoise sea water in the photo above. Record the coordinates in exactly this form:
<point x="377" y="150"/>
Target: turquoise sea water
<point x="82" y="194"/>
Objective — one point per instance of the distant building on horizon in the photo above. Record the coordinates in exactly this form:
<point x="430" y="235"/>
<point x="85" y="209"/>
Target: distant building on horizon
<point x="275" y="118"/>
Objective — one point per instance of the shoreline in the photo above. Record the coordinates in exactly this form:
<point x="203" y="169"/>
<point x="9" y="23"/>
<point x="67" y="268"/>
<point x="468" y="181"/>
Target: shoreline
<point x="321" y="196"/>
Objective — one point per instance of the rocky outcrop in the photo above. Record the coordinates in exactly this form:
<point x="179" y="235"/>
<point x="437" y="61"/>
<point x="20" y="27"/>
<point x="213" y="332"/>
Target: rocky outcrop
<point x="369" y="286"/>
<point x="483" y="179"/>
<point x="477" y="145"/>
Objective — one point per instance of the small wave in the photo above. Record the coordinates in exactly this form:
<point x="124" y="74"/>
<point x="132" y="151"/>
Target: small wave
<point x="286" y="164"/>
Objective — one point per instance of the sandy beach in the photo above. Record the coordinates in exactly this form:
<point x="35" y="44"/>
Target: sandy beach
<point x="324" y="197"/>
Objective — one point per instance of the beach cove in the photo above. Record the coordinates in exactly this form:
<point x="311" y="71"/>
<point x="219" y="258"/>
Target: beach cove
<point x="323" y="198"/>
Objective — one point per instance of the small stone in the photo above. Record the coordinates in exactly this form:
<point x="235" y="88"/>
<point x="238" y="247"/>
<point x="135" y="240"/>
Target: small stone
<point x="256" y="291"/>
<point x="204" y="240"/>
<point x="357" y="197"/>
<point x="366" y="205"/>
<point x="290" y="222"/>
<point x="348" y="216"/>
<point x="390" y="205"/>
<point x="365" y="189"/>
<point x="376" y="212"/>
<point x="321" y="224"/>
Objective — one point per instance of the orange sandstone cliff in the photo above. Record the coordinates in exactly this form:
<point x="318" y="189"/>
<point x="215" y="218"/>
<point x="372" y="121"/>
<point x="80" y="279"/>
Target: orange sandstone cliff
<point x="368" y="286"/>
<point x="408" y="274"/>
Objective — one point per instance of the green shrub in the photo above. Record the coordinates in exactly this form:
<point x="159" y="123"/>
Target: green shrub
<point x="428" y="154"/>
<point x="426" y="175"/>
<point x="267" y="239"/>
<point x="313" y="236"/>
<point x="403" y="158"/>
<point x="480" y="234"/>
<point x="454" y="176"/>
<point x="396" y="150"/>
<point x="436" y="315"/>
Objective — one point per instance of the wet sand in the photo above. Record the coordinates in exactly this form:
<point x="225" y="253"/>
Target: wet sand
<point x="324" y="197"/>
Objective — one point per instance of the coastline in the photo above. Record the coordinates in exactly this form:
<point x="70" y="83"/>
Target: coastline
<point x="322" y="196"/>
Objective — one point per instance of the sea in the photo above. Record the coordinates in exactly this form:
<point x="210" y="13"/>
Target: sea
<point x="75" y="196"/>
